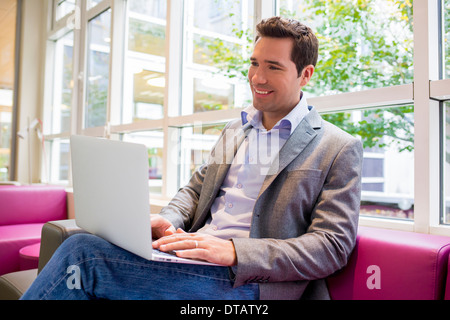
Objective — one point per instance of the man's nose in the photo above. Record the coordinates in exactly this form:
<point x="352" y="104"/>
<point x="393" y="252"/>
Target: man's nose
<point x="259" y="77"/>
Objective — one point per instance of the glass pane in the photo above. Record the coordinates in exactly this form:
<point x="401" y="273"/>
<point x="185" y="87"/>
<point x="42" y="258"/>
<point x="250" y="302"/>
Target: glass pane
<point x="446" y="5"/>
<point x="154" y="141"/>
<point x="56" y="160"/>
<point x="6" y="102"/>
<point x="388" y="165"/>
<point x="212" y="94"/>
<point x="144" y="71"/>
<point x="7" y="46"/>
<point x="218" y="39"/>
<point x="218" y="16"/>
<point x="363" y="44"/>
<point x="215" y="52"/>
<point x="146" y="37"/>
<point x="148" y="95"/>
<point x="98" y="69"/>
<point x="93" y="3"/>
<point x="58" y="117"/>
<point x="446" y="177"/>
<point x="149" y="8"/>
<point x="196" y="144"/>
<point x="64" y="7"/>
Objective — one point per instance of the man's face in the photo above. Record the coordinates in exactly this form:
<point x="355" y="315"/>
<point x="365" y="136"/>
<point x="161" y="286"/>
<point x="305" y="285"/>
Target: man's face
<point x="273" y="78"/>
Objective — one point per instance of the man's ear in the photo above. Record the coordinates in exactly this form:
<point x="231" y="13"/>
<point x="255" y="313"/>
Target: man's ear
<point x="306" y="75"/>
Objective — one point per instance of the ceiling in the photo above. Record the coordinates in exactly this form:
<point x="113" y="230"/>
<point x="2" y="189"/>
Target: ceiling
<point x="7" y="36"/>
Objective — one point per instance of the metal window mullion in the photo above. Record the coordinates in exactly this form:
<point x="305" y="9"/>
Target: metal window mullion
<point x="172" y="93"/>
<point x="426" y="116"/>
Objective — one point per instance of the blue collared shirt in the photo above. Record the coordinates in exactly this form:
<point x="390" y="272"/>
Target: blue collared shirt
<point x="231" y="212"/>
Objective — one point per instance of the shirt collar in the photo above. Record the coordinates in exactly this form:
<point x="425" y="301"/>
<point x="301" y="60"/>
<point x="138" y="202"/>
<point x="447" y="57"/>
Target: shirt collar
<point x="290" y="121"/>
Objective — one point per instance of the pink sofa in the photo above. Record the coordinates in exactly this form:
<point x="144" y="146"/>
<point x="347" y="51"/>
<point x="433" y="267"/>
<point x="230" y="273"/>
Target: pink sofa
<point x="394" y="265"/>
<point x="23" y="212"/>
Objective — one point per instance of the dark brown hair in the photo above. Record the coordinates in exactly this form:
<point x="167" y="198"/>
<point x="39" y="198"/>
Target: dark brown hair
<point x="306" y="46"/>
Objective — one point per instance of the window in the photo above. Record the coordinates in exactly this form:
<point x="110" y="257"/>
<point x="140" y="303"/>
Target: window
<point x="144" y="65"/>
<point x="440" y="91"/>
<point x="446" y="163"/>
<point x="195" y="146"/>
<point x="99" y="38"/>
<point x="217" y="35"/>
<point x="6" y="103"/>
<point x="171" y="74"/>
<point x="446" y="37"/>
<point x="7" y="80"/>
<point x="388" y="165"/>
<point x="57" y="113"/>
<point x="64" y="8"/>
<point x="58" y="160"/>
<point x="154" y="141"/>
<point x="363" y="44"/>
<point x="93" y="3"/>
<point x="355" y="55"/>
<point x="58" y="117"/>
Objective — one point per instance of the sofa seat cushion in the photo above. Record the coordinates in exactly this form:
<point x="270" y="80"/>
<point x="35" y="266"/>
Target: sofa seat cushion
<point x="12" y="239"/>
<point x="390" y="264"/>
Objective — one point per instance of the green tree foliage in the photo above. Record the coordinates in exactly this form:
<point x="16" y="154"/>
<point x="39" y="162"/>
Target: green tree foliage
<point x="364" y="44"/>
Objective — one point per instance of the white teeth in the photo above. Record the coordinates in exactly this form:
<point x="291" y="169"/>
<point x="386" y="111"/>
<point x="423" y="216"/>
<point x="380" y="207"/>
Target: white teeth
<point x="261" y="92"/>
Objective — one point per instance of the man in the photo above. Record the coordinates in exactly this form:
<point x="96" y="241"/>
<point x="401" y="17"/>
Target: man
<point x="280" y="217"/>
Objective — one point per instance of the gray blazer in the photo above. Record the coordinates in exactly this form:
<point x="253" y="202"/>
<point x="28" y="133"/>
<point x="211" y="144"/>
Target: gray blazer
<point x="305" y="218"/>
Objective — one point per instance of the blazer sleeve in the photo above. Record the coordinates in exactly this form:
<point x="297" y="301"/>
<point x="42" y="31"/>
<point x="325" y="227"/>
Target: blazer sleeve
<point x="329" y="239"/>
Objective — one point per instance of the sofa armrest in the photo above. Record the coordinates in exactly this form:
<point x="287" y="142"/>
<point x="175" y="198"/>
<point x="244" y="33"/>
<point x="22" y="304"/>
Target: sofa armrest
<point x="53" y="235"/>
<point x="13" y="285"/>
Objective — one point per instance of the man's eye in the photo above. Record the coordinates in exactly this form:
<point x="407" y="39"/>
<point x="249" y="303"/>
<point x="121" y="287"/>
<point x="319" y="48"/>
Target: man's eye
<point x="254" y="64"/>
<point x="274" y="68"/>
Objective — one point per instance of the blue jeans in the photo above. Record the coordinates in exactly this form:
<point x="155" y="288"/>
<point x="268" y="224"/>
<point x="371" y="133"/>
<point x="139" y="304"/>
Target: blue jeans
<point x="88" y="267"/>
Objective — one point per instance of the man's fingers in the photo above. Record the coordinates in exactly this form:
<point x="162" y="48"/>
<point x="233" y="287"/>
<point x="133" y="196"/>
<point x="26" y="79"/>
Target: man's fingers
<point x="177" y="236"/>
<point x="199" y="254"/>
<point x="180" y="245"/>
<point x="198" y="246"/>
<point x="171" y="230"/>
<point x="161" y="226"/>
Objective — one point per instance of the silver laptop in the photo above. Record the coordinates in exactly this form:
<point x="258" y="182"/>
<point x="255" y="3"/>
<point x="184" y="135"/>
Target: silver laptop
<point x="111" y="195"/>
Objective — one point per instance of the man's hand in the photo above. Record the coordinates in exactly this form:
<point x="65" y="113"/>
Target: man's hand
<point x="198" y="246"/>
<point x="161" y="226"/>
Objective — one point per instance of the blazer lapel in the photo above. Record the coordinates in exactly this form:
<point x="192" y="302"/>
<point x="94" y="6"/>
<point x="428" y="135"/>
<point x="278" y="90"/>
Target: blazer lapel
<point x="230" y="143"/>
<point x="223" y="156"/>
<point x="297" y="142"/>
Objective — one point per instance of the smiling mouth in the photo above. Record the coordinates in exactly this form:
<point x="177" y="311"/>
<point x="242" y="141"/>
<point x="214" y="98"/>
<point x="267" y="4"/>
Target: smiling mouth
<point x="262" y="91"/>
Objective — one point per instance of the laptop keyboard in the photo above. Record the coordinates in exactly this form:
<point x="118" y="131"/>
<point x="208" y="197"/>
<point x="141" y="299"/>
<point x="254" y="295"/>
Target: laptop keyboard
<point x="168" y="254"/>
